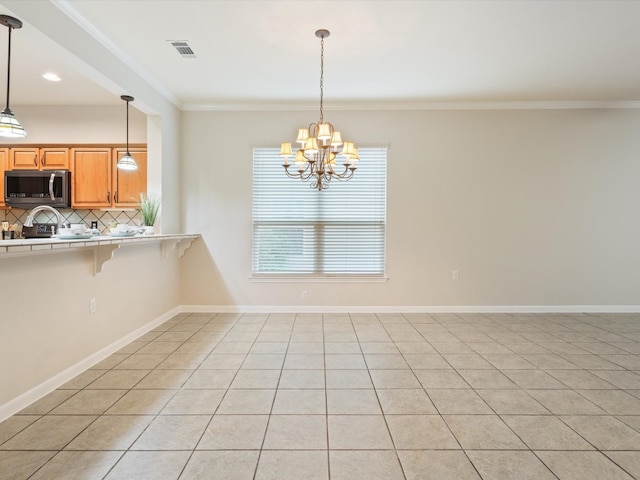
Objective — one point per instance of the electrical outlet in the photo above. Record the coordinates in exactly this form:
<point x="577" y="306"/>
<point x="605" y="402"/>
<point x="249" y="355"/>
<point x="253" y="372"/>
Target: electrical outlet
<point x="303" y="295"/>
<point x="455" y="275"/>
<point x="92" y="305"/>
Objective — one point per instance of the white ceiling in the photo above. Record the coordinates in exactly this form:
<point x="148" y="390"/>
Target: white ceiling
<point x="396" y="52"/>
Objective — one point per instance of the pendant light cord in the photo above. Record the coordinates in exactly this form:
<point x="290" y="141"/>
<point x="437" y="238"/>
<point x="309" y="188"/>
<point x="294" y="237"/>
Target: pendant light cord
<point x="128" y="154"/>
<point x="9" y="69"/>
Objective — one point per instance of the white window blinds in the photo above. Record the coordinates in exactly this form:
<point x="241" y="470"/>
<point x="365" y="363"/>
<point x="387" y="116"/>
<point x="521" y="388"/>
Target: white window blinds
<point x="333" y="232"/>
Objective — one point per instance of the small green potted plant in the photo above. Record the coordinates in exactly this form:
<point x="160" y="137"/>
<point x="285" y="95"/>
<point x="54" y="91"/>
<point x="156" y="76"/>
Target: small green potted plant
<point x="149" y="207"/>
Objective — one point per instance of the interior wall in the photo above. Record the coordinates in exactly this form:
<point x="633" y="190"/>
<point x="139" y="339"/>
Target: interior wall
<point x="45" y="325"/>
<point x="531" y="207"/>
<point x="80" y="124"/>
<point x="167" y="142"/>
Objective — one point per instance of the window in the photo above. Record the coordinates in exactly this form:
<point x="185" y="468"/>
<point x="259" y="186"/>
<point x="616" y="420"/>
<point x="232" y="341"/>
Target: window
<point x="339" y="231"/>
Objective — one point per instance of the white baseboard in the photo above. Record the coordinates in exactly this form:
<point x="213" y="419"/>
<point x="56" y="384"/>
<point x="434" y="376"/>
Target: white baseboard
<point x="411" y="309"/>
<point x="13" y="406"/>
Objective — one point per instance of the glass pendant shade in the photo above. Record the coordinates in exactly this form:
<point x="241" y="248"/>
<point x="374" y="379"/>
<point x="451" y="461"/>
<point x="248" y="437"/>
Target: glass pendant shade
<point x="127" y="162"/>
<point x="9" y="125"/>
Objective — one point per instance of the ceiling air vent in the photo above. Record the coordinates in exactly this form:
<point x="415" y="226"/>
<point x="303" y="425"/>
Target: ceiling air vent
<point x="183" y="48"/>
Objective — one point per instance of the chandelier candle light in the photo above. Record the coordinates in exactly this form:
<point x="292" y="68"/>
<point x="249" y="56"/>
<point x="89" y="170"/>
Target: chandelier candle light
<point x="317" y="157"/>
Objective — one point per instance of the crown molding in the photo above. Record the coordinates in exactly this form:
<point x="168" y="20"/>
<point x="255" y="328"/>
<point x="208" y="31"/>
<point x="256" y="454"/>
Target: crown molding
<point x="408" y="105"/>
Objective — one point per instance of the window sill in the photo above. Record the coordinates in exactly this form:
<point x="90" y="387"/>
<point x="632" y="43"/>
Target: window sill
<point x="318" y="279"/>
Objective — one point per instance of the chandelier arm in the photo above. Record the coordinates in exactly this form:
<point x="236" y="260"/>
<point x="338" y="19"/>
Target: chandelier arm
<point x="308" y="173"/>
<point x="304" y="174"/>
<point x="291" y="175"/>
<point x="347" y="177"/>
<point x="347" y="174"/>
<point x="343" y="173"/>
<point x="319" y="184"/>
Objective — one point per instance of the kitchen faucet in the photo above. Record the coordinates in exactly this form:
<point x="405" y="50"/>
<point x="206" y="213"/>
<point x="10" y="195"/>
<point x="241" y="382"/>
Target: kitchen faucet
<point x="29" y="221"/>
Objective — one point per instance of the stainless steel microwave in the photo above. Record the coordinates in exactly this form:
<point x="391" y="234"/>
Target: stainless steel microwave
<point x="28" y="188"/>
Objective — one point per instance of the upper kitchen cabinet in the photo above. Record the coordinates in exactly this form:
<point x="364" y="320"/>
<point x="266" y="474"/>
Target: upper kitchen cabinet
<point x="127" y="184"/>
<point x="91" y="177"/>
<point x="35" y="158"/>
<point x="4" y="163"/>
<point x="97" y="183"/>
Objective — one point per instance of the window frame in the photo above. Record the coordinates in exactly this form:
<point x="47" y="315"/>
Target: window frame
<point x="319" y="226"/>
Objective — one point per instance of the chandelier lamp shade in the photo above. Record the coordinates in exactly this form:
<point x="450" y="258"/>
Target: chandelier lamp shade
<point x="9" y="124"/>
<point x="127" y="162"/>
<point x="322" y="156"/>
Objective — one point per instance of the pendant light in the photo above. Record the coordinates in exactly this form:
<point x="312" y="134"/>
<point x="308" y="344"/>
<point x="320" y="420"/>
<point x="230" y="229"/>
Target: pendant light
<point x="9" y="124"/>
<point x="126" y="162"/>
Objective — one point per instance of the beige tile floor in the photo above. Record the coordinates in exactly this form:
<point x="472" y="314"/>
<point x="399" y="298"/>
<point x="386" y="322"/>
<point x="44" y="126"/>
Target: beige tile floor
<point x="365" y="396"/>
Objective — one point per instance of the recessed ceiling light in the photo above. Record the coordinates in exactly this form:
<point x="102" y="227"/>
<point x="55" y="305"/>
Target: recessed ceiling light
<point x="52" y="77"/>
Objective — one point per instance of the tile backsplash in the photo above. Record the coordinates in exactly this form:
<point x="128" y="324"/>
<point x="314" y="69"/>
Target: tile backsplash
<point x="105" y="218"/>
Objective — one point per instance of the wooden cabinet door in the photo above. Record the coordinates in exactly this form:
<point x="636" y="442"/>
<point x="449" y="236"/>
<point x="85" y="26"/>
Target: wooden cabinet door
<point x="91" y="177"/>
<point x="54" y="158"/>
<point x="34" y="158"/>
<point x="24" y="158"/>
<point x="128" y="185"/>
<point x="4" y="164"/>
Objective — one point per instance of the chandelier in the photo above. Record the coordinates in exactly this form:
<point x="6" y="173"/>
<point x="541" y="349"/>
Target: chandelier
<point x="318" y="156"/>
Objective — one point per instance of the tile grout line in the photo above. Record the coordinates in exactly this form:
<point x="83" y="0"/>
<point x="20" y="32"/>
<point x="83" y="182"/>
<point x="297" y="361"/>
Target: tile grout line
<point x="273" y="401"/>
<point x="326" y="398"/>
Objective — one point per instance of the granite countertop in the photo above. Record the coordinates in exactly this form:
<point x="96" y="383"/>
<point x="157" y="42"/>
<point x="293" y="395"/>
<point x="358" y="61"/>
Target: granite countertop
<point x="102" y="247"/>
<point x="54" y="243"/>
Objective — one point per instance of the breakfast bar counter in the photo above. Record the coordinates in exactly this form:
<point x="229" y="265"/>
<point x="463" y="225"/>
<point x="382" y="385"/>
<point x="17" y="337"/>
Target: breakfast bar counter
<point x="103" y="247"/>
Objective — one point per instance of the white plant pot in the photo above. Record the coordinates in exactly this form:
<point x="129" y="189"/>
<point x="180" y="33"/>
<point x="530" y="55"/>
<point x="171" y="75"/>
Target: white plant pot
<point x="149" y="230"/>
